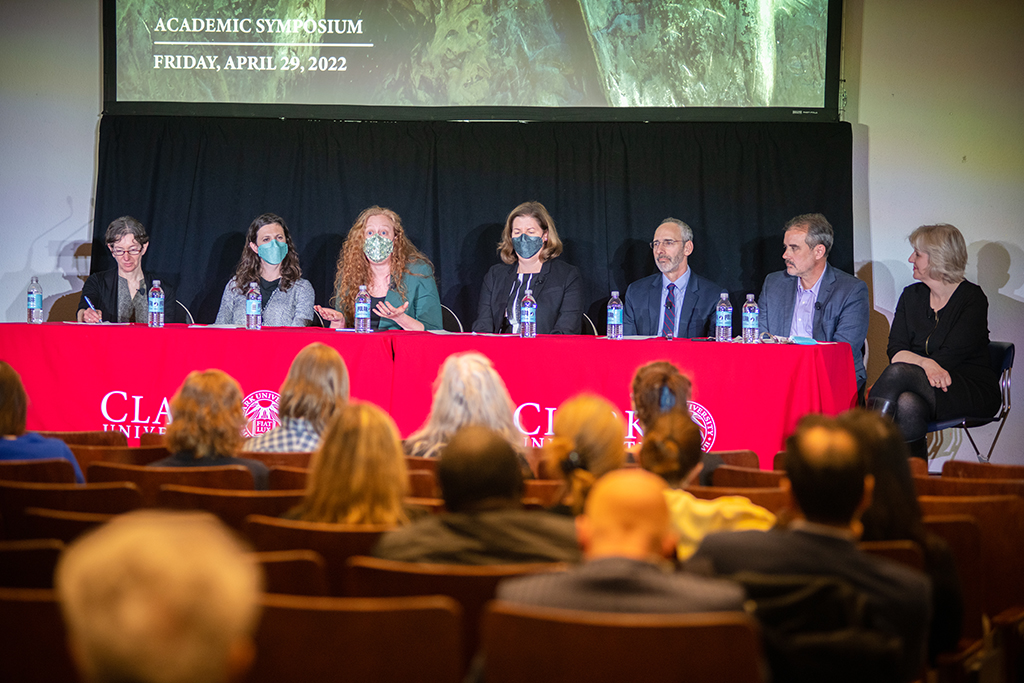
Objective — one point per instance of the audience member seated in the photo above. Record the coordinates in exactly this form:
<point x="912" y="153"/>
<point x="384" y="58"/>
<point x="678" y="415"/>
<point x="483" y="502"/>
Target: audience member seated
<point x="358" y="475"/>
<point x="15" y="442"/>
<point x="831" y="487"/>
<point x="160" y="597"/>
<point x="121" y="294"/>
<point x="587" y="444"/>
<point x="206" y="425"/>
<point x="315" y="388"/>
<point x="468" y="391"/>
<point x="671" y="449"/>
<point x="485" y="522"/>
<point x="626" y="534"/>
<point x="270" y="259"/>
<point x="657" y="388"/>
<point x="894" y="514"/>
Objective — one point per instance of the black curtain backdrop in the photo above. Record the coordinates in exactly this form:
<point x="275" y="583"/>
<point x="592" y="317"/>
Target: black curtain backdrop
<point x="197" y="183"/>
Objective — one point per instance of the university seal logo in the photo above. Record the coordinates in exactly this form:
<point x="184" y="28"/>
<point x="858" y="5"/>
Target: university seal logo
<point x="702" y="416"/>
<point x="260" y="409"/>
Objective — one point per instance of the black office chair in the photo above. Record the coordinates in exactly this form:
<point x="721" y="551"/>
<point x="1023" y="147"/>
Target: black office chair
<point x="1001" y="359"/>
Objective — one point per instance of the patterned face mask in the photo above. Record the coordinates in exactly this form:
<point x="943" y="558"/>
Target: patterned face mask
<point x="377" y="248"/>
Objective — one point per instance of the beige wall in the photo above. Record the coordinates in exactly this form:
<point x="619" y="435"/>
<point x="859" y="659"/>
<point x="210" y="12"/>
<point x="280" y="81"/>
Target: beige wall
<point x="936" y="99"/>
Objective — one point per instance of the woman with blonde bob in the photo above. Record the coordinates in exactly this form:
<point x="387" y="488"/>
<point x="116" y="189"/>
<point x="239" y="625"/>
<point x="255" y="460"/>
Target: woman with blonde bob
<point x="938" y="342"/>
<point x="468" y="391"/>
<point x="316" y="387"/>
<point x="358" y="476"/>
<point x="398" y="277"/>
<point x="206" y="427"/>
<point x="529" y="249"/>
<point x="587" y="443"/>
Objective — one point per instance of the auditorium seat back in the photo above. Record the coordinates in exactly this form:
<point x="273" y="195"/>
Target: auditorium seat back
<point x="740" y="458"/>
<point x="385" y="640"/>
<point x="64" y="525"/>
<point x="29" y="563"/>
<point x="33" y="640"/>
<point x="293" y="572"/>
<point x="545" y="645"/>
<point x="745" y="477"/>
<point x="981" y="470"/>
<point x="774" y="500"/>
<point x="150" y="479"/>
<point x="471" y="586"/>
<point x="335" y="542"/>
<point x="284" y="458"/>
<point x="287" y="478"/>
<point x="51" y="470"/>
<point x="107" y="498"/>
<point x="232" y="506"/>
<point x="90" y="438"/>
<point x="142" y="455"/>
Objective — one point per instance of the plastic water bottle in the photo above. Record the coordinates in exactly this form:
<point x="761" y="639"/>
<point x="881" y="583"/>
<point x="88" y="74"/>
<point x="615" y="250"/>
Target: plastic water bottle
<point x="35" y="301"/>
<point x="750" y="313"/>
<point x="362" y="322"/>
<point x="156" y="305"/>
<point x="723" y="319"/>
<point x="253" y="307"/>
<point x="528" y="316"/>
<point x="615" y="316"/>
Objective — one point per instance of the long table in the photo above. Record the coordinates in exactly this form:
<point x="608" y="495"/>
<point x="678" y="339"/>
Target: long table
<point x="84" y="377"/>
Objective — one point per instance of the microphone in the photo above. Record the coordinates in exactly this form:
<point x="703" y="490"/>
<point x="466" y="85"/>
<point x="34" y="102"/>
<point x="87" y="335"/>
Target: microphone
<point x="191" y="320"/>
<point x="817" y="305"/>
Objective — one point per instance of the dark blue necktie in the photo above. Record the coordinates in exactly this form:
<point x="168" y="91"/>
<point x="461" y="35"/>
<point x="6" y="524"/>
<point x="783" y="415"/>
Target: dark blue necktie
<point x="668" y="325"/>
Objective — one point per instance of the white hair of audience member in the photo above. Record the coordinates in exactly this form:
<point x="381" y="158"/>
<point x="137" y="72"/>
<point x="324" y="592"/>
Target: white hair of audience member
<point x="160" y="597"/>
<point x="468" y="391"/>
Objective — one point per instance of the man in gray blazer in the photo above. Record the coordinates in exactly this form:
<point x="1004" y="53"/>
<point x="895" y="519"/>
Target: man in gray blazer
<point x="692" y="302"/>
<point x="812" y="298"/>
<point x="625" y="533"/>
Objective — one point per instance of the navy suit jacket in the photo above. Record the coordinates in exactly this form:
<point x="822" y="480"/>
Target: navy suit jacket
<point x="557" y="288"/>
<point x="840" y="314"/>
<point x="641" y="312"/>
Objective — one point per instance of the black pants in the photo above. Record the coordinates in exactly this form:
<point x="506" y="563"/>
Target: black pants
<point x="911" y="398"/>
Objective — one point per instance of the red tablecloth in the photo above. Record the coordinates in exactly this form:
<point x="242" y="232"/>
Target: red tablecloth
<point x="82" y="377"/>
<point x="746" y="396"/>
<point x="87" y="377"/>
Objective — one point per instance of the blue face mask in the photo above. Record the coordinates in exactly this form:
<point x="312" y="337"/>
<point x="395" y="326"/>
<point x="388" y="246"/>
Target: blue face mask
<point x="273" y="252"/>
<point x="527" y="245"/>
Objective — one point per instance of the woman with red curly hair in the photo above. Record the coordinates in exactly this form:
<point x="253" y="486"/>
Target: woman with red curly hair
<point x="206" y="425"/>
<point x="399" y="278"/>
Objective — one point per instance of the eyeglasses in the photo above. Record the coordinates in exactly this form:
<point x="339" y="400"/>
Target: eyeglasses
<point x="668" y="244"/>
<point x="133" y="251"/>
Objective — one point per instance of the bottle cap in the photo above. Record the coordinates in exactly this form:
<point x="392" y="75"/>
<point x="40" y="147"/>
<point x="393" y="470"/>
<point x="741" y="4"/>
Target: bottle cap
<point x="615" y="293"/>
<point x="156" y="283"/>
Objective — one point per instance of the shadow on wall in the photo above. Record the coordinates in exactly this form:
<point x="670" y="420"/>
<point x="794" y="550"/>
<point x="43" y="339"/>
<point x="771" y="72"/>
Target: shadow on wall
<point x="880" y="286"/>
<point x="464" y="296"/>
<point x="73" y="261"/>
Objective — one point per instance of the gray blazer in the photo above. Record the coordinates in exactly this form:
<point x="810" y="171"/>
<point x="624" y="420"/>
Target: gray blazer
<point x="840" y="313"/>
<point x="293" y="308"/>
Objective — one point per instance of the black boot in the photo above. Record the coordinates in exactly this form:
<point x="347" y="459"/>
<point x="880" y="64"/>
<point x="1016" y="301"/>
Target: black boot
<point x="884" y="406"/>
<point x="919" y="448"/>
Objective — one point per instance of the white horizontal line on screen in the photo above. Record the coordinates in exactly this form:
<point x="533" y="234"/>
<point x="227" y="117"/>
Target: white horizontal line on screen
<point x="189" y="42"/>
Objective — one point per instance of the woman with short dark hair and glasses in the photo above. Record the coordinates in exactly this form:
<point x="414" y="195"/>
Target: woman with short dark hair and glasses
<point x="121" y="294"/>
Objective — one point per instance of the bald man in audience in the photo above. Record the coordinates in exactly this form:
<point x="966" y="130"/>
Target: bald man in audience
<point x="626" y="534"/>
<point x="485" y="523"/>
<point x="829" y="484"/>
<point x="160" y="597"/>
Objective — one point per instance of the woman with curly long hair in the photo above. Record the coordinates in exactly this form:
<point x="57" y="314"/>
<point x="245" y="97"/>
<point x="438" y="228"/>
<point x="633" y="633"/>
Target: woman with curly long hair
<point x="399" y="278"/>
<point x="206" y="425"/>
<point x="270" y="259"/>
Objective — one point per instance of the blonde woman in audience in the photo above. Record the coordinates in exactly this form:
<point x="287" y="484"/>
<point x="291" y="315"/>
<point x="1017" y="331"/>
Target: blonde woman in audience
<point x="206" y="426"/>
<point x="358" y="475"/>
<point x="671" y="449"/>
<point x="468" y="391"/>
<point x="588" y="442"/>
<point x="314" y="390"/>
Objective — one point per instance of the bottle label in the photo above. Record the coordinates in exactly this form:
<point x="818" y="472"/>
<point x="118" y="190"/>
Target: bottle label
<point x="362" y="309"/>
<point x="749" y="320"/>
<point x="528" y="315"/>
<point x="614" y="316"/>
<point x="156" y="304"/>
<point x="35" y="301"/>
<point x="253" y="307"/>
<point x="723" y="319"/>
